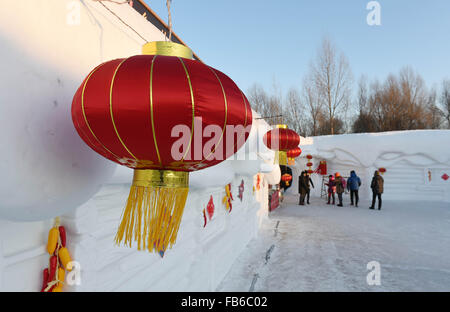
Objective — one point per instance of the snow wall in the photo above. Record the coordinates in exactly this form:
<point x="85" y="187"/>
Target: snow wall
<point x="416" y="162"/>
<point x="48" y="47"/>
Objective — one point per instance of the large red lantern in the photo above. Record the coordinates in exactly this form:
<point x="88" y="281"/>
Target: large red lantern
<point x="148" y="112"/>
<point x="281" y="140"/>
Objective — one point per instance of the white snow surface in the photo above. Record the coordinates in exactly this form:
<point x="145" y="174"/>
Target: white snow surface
<point x="321" y="247"/>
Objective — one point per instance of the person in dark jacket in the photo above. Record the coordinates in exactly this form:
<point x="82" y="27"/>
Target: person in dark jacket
<point x="377" y="187"/>
<point x="331" y="189"/>
<point x="308" y="180"/>
<point x="340" y="188"/>
<point x="353" y="184"/>
<point x="302" y="187"/>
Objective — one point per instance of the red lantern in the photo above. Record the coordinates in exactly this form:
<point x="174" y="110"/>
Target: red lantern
<point x="309" y="157"/>
<point x="294" y="153"/>
<point x="382" y="170"/>
<point x="310" y="171"/>
<point x="281" y="140"/>
<point x="309" y="164"/>
<point x="286" y="178"/>
<point x="132" y="111"/>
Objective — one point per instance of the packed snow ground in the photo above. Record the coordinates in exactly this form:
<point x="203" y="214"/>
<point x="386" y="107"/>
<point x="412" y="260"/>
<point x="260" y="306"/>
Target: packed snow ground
<point x="321" y="247"/>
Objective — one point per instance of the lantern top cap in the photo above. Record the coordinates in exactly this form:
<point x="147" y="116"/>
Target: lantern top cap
<point x="167" y="48"/>
<point x="282" y="126"/>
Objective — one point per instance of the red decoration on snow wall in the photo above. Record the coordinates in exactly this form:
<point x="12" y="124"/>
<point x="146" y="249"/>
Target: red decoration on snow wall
<point x="322" y="169"/>
<point x="208" y="213"/>
<point x="241" y="190"/>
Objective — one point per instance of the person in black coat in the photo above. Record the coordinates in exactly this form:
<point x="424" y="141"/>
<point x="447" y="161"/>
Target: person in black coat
<point x="377" y="187"/>
<point x="308" y="180"/>
<point x="302" y="187"/>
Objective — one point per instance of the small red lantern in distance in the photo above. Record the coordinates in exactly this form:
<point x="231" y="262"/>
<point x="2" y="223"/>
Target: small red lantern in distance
<point x="382" y="170"/>
<point x="309" y="164"/>
<point x="294" y="153"/>
<point x="309" y="157"/>
<point x="310" y="171"/>
<point x="286" y="177"/>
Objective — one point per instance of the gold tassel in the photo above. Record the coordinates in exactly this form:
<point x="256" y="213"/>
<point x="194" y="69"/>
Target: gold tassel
<point x="280" y="158"/>
<point x="154" y="209"/>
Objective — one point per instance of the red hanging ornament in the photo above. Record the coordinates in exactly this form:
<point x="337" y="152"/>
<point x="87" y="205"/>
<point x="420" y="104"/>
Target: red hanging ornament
<point x="286" y="178"/>
<point x="292" y="154"/>
<point x="281" y="140"/>
<point x="127" y="109"/>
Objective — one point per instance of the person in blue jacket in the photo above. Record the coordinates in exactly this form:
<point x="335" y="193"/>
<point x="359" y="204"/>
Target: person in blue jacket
<point x="353" y="184"/>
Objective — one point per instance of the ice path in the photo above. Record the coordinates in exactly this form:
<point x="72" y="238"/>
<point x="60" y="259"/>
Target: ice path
<point x="327" y="248"/>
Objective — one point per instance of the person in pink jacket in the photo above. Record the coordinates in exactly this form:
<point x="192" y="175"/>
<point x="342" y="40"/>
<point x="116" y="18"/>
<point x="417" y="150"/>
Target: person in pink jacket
<point x="331" y="189"/>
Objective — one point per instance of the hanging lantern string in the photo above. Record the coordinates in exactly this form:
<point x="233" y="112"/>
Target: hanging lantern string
<point x="269" y="117"/>
<point x="100" y="1"/>
<point x="168" y="3"/>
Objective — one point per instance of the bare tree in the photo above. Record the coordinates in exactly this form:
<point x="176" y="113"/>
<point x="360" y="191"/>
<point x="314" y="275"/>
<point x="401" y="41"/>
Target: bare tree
<point x="294" y="112"/>
<point x="433" y="113"/>
<point x="265" y="104"/>
<point x="402" y="102"/>
<point x="364" y="122"/>
<point x="333" y="78"/>
<point x="313" y="103"/>
<point x="444" y="101"/>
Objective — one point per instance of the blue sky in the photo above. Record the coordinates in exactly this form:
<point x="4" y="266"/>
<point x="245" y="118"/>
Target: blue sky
<point x="262" y="41"/>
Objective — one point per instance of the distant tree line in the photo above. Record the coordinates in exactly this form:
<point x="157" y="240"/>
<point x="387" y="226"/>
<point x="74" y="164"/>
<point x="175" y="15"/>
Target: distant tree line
<point x="325" y="104"/>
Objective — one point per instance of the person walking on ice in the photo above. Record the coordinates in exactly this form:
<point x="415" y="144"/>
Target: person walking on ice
<point x="331" y="189"/>
<point x="340" y="187"/>
<point x="308" y="179"/>
<point x="353" y="184"/>
<point x="377" y="187"/>
<point x="302" y="187"/>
